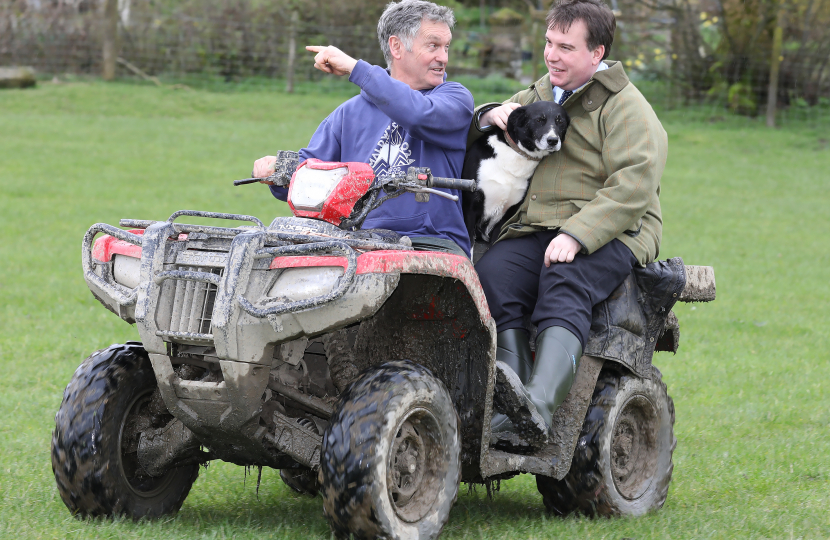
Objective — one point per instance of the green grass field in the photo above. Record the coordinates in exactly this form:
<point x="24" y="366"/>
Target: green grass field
<point x="750" y="382"/>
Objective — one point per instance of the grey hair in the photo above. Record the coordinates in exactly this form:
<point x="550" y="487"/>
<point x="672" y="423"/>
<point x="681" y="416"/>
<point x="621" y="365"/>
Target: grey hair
<point x="403" y="19"/>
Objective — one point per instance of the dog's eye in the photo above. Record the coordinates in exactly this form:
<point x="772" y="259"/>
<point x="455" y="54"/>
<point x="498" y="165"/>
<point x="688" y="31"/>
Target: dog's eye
<point x="541" y="119"/>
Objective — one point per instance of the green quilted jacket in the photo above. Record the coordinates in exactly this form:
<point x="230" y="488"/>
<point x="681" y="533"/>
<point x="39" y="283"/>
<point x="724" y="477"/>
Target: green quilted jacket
<point x="605" y="182"/>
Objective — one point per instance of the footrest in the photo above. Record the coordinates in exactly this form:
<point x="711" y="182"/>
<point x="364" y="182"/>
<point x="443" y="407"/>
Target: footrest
<point x="511" y="400"/>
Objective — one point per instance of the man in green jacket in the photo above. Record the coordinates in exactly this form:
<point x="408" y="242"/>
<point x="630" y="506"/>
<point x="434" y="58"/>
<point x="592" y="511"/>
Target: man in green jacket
<point x="592" y="210"/>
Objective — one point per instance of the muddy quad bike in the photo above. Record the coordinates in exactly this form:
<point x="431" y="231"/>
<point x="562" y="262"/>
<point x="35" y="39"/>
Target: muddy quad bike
<point x="357" y="366"/>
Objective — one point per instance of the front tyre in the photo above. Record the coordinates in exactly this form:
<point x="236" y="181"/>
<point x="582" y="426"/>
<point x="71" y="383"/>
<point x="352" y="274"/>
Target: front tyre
<point x="622" y="464"/>
<point x="106" y="406"/>
<point x="390" y="464"/>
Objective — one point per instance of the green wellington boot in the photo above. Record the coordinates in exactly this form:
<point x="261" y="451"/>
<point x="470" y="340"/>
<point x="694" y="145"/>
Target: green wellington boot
<point x="513" y="349"/>
<point x="557" y="357"/>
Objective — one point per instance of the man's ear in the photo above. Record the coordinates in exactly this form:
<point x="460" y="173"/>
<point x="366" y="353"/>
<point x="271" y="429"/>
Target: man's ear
<point x="596" y="56"/>
<point x="395" y="47"/>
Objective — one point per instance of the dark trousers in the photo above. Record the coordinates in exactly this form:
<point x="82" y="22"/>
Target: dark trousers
<point x="516" y="283"/>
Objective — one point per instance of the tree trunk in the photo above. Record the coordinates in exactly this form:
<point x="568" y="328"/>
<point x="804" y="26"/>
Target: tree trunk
<point x="110" y="40"/>
<point x="774" y="68"/>
<point x="292" y="53"/>
<point x="538" y="16"/>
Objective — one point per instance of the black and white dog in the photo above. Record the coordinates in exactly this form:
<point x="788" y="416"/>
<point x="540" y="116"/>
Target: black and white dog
<point x="503" y="162"/>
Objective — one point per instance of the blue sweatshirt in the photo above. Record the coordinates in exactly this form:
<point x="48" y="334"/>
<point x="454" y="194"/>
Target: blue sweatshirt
<point x="393" y="127"/>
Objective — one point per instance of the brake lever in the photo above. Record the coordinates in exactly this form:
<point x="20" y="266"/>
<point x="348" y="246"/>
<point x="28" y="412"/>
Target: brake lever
<point x="415" y="188"/>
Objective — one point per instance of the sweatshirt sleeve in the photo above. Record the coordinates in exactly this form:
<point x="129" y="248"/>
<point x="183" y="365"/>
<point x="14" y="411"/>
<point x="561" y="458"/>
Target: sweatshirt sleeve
<point x="477" y="130"/>
<point x="440" y="116"/>
<point x="324" y="145"/>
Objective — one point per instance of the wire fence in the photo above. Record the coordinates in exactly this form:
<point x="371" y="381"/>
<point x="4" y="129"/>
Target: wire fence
<point x="678" y="43"/>
<point x="71" y="42"/>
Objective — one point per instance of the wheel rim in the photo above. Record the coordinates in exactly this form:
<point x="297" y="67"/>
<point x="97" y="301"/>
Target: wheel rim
<point x="416" y="466"/>
<point x="634" y="451"/>
<point x="138" y="481"/>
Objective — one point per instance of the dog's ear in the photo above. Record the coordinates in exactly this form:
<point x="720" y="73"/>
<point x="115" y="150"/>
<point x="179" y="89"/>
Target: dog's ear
<point x="518" y="118"/>
<point x="562" y="121"/>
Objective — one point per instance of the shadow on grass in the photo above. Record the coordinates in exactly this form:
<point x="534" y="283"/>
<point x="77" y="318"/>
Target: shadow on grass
<point x="278" y="511"/>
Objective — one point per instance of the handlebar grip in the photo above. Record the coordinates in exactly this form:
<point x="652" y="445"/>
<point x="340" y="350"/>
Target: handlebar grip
<point x="454" y="183"/>
<point x="276" y="178"/>
<point x="246" y="181"/>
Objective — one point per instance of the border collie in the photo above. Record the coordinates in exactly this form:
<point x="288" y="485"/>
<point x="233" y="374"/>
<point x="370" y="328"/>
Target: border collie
<point x="503" y="162"/>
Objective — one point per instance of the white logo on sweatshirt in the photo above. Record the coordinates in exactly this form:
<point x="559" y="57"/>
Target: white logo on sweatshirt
<point x="391" y="155"/>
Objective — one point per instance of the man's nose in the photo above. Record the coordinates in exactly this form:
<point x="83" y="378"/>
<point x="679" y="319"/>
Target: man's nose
<point x="550" y="54"/>
<point x="443" y="56"/>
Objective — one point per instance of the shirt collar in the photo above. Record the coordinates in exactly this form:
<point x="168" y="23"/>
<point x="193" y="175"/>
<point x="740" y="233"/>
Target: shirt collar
<point x="557" y="92"/>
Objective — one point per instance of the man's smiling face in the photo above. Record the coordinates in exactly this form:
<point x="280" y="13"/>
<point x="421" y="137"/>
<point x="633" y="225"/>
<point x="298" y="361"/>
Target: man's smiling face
<point x="570" y="63"/>
<point x="424" y="66"/>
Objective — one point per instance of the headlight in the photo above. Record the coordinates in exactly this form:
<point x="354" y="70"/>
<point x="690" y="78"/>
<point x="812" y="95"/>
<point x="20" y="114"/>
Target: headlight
<point x="126" y="271"/>
<point x="304" y="283"/>
<point x="311" y="187"/>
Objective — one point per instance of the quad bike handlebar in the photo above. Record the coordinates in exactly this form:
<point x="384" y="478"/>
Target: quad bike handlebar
<point x="372" y="195"/>
<point x="417" y="179"/>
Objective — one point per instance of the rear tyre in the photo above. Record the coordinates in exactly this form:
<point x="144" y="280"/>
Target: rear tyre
<point x="106" y="406"/>
<point x="622" y="464"/>
<point x="390" y="464"/>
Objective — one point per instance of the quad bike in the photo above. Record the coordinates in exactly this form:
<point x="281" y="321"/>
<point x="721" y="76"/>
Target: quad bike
<point x="362" y="369"/>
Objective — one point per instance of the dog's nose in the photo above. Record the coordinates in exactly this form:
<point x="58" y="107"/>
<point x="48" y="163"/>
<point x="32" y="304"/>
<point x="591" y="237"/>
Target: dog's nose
<point x="553" y="141"/>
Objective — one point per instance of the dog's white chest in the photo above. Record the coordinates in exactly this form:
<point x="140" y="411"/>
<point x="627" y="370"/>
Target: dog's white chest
<point x="503" y="178"/>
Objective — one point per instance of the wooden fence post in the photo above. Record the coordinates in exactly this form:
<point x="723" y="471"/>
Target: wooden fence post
<point x="292" y="52"/>
<point x="110" y="39"/>
<point x="774" y="68"/>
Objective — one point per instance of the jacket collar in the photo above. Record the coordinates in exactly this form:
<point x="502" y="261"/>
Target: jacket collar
<point x="613" y="78"/>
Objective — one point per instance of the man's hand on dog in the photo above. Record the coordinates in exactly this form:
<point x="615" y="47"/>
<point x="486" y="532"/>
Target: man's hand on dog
<point x="498" y="116"/>
<point x="264" y="167"/>
<point x="563" y="248"/>
<point x="332" y="60"/>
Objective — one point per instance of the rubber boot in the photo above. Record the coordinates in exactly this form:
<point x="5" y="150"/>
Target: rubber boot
<point x="512" y="348"/>
<point x="558" y="352"/>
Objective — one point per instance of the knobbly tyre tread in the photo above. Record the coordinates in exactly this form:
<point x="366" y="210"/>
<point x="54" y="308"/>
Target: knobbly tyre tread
<point x="85" y="441"/>
<point x="339" y="347"/>
<point x="587" y="488"/>
<point x="349" y="457"/>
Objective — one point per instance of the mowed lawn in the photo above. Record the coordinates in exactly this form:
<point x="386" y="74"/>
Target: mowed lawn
<point x="750" y="381"/>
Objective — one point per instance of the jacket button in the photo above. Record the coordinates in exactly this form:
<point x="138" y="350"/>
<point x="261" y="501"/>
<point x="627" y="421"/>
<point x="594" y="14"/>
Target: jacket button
<point x="590" y="103"/>
<point x="651" y="339"/>
<point x="533" y="197"/>
<point x="674" y="295"/>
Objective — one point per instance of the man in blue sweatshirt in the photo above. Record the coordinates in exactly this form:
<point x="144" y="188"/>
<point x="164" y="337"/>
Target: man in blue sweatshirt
<point x="405" y="116"/>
